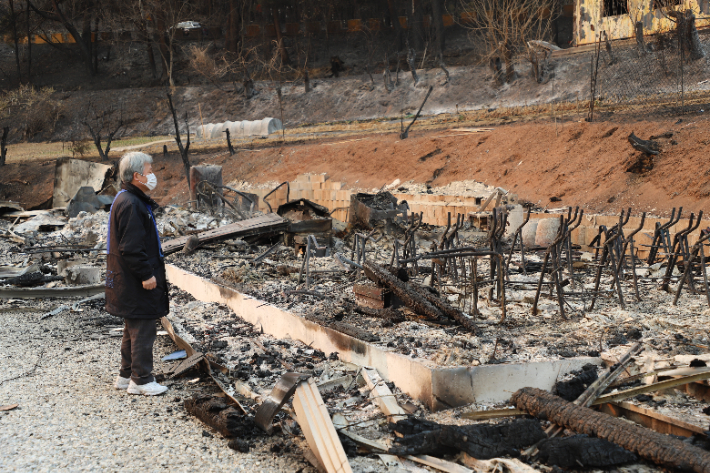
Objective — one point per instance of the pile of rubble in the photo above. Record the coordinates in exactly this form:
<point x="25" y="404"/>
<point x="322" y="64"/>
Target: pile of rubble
<point x="450" y="299"/>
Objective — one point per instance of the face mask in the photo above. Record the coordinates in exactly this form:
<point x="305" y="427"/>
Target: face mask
<point x="152" y="181"/>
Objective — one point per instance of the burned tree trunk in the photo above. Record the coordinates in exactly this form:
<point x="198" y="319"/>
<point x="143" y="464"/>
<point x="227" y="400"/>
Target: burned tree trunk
<point x="229" y="143"/>
<point x="13" y="19"/>
<point x="3" y="145"/>
<point x="658" y="448"/>
<point x="580" y="450"/>
<point x="184" y="150"/>
<point x="285" y="60"/>
<point x="639" y="38"/>
<point x="688" y="39"/>
<point x="483" y="441"/>
<point x="411" y="60"/>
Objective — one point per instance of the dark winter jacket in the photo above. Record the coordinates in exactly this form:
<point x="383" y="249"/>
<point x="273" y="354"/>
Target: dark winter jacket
<point x="133" y="257"/>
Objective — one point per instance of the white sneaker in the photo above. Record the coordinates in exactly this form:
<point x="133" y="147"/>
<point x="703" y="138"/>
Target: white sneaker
<point x="121" y="383"/>
<point x="149" y="389"/>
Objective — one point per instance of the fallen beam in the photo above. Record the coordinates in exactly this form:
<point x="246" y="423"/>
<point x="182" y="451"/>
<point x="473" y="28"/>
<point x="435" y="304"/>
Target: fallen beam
<point x="411" y="298"/>
<point x="703" y="373"/>
<point x="653" y="446"/>
<point x="653" y="420"/>
<point x="54" y="292"/>
<point x="264" y="224"/>
<point x="315" y="422"/>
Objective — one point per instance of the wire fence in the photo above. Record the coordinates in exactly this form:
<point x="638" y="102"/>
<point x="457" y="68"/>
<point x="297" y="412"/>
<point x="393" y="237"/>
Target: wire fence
<point x="663" y="74"/>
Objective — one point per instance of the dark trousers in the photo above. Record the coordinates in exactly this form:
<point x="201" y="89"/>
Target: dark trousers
<point x="137" y="350"/>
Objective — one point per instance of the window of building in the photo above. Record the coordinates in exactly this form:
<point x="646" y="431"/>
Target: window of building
<point x="616" y="7"/>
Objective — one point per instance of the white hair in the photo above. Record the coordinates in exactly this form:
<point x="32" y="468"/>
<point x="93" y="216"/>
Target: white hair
<point x="132" y="162"/>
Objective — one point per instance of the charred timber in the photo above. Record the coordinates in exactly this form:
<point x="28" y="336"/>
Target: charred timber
<point x="582" y="451"/>
<point x="223" y="418"/>
<point x="415" y="301"/>
<point x="658" y="448"/>
<point x="448" y="310"/>
<point x="482" y="441"/>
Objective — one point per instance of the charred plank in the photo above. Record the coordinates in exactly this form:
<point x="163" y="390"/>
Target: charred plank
<point x="481" y="441"/>
<point x="583" y="451"/>
<point x="658" y="448"/>
<point x="223" y="418"/>
<point x="414" y="300"/>
<point x="448" y="310"/>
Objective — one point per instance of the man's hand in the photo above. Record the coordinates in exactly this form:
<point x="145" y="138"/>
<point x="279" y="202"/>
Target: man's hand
<point x="150" y="284"/>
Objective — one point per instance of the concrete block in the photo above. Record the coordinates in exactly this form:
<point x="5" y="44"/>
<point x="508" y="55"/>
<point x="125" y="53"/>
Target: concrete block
<point x="547" y="231"/>
<point x="318" y="177"/>
<point x="515" y="219"/>
<point x="529" y="232"/>
<point x="83" y="275"/>
<point x="336" y="185"/>
<point x="318" y="194"/>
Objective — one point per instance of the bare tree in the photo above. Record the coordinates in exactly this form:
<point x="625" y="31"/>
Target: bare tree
<point x="184" y="150"/>
<point x="506" y="26"/>
<point x="73" y="15"/>
<point x="99" y="123"/>
<point x="3" y="145"/>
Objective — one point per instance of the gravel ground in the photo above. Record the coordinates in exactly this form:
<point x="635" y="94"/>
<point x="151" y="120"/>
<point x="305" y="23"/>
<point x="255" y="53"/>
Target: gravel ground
<point x="70" y="418"/>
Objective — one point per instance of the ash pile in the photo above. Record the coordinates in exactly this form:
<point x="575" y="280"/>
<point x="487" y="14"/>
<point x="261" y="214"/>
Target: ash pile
<point x="451" y="297"/>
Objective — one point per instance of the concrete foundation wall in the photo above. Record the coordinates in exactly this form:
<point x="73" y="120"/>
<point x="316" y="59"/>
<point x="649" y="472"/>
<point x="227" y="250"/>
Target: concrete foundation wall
<point x="439" y="388"/>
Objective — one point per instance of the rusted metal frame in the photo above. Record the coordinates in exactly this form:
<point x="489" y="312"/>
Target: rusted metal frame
<point x="602" y="263"/>
<point x="442" y="241"/>
<point x="458" y="252"/>
<point x="556" y="275"/>
<point x="658" y="235"/>
<point x="305" y="264"/>
<point x="575" y="221"/>
<point x="685" y="248"/>
<point x="518" y="233"/>
<point x="413" y="243"/>
<point x="620" y="242"/>
<point x="596" y="242"/>
<point x="501" y="219"/>
<point x="672" y="256"/>
<point x="705" y="273"/>
<point x="610" y="243"/>
<point x="568" y="243"/>
<point x="451" y="244"/>
<point x="629" y="243"/>
<point x="556" y="241"/>
<point x="288" y="194"/>
<point x="216" y="192"/>
<point x="687" y="273"/>
<point x="458" y="242"/>
<point x="474" y="279"/>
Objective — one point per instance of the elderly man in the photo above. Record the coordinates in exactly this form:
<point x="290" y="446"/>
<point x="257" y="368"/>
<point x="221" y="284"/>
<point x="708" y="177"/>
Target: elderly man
<point x="136" y="288"/>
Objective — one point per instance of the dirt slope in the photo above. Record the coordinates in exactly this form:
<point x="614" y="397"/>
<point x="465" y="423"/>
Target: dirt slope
<point x="584" y="164"/>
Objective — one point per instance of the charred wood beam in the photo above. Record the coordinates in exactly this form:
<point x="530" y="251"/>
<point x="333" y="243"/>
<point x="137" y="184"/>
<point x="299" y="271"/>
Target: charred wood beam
<point x="410" y="297"/>
<point x="3" y="145"/>
<point x="658" y="448"/>
<point x="223" y="418"/>
<point x="417" y="436"/>
<point x="448" y="310"/>
<point x="582" y="451"/>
